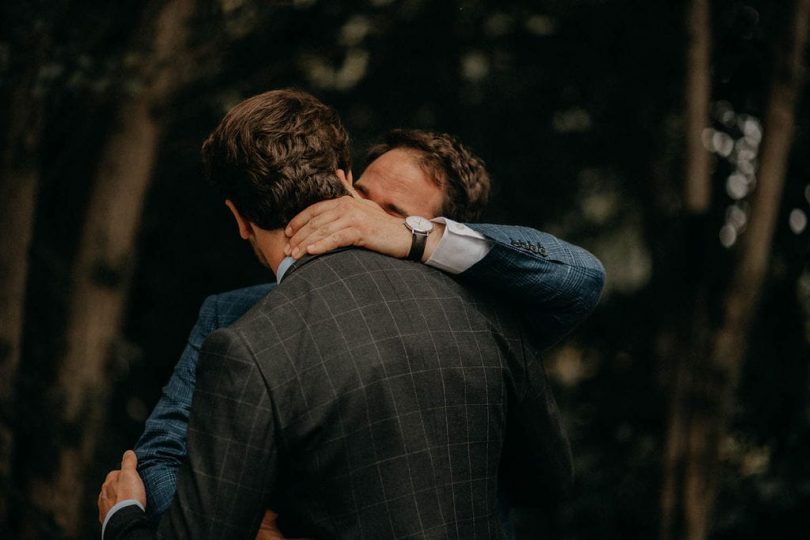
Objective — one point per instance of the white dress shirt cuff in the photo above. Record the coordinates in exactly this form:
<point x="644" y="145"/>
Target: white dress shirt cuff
<point x="118" y="506"/>
<point x="459" y="248"/>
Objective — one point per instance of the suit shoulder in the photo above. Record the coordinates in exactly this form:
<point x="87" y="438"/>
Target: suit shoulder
<point x="343" y="264"/>
<point x="223" y="309"/>
<point x="253" y="294"/>
<point x="222" y="340"/>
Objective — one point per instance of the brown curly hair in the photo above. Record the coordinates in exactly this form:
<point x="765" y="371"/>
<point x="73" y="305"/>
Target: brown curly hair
<point x="453" y="167"/>
<point x="276" y="153"/>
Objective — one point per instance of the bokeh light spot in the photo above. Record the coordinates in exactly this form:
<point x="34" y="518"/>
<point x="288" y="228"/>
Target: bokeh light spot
<point x="737" y="186"/>
<point x="797" y="220"/>
<point x="722" y="143"/>
<point x="574" y="120"/>
<point x="728" y="235"/>
<point x="354" y="31"/>
<point x="540" y="25"/>
<point x="474" y="66"/>
<point x="736" y="217"/>
<point x="498" y="24"/>
<point x="706" y="138"/>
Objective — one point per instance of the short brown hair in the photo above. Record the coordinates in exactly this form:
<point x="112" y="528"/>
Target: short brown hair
<point x="453" y="167"/>
<point x="276" y="153"/>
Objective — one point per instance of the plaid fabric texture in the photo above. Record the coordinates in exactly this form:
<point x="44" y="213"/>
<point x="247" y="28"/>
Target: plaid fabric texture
<point x="556" y="285"/>
<point x="553" y="284"/>
<point x="367" y="397"/>
<point x="162" y="447"/>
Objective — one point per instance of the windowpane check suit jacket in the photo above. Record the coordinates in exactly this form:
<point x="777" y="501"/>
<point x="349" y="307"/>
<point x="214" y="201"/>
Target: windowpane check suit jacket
<point x="366" y="397"/>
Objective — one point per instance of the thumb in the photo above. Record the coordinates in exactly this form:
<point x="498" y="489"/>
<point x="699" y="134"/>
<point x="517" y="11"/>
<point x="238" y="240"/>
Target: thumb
<point x="129" y="461"/>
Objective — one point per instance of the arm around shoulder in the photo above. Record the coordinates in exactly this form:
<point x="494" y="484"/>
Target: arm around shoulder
<point x="162" y="447"/>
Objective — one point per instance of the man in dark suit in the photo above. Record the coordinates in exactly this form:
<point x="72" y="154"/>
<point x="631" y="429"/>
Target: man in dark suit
<point x="366" y="396"/>
<point x="553" y="284"/>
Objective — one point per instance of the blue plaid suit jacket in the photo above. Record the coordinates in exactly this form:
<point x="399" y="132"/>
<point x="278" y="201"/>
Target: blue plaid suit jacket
<point x="554" y="284"/>
<point x="367" y="397"/>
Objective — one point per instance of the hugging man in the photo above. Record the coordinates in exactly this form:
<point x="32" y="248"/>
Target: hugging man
<point x="270" y="168"/>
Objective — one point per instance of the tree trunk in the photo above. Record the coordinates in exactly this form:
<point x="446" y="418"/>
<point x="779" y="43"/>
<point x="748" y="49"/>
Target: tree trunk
<point x="19" y="187"/>
<point x="18" y="194"/>
<point x="729" y="343"/>
<point x="707" y="367"/>
<point x="698" y="95"/>
<point x="680" y="360"/>
<point x="103" y="269"/>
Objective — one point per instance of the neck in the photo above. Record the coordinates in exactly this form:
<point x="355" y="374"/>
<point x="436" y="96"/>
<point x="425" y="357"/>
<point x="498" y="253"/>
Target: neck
<point x="269" y="247"/>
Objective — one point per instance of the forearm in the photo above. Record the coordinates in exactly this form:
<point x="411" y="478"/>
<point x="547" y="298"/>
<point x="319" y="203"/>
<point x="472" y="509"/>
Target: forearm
<point x="223" y="485"/>
<point x="555" y="283"/>
<point x="162" y="447"/>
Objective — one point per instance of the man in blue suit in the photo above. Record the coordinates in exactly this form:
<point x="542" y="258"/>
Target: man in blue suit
<point x="411" y="175"/>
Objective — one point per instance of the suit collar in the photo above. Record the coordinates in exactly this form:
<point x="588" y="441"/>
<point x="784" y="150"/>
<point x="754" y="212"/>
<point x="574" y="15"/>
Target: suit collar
<point x="306" y="259"/>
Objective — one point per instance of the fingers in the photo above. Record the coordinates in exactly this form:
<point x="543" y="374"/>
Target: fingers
<point x="343" y="222"/>
<point x="121" y="484"/>
<point x="102" y="508"/>
<point x="270" y="517"/>
<point x="107" y="494"/>
<point x="108" y="488"/>
<point x="341" y="238"/>
<point x="308" y="213"/>
<point x="130" y="461"/>
<point x="316" y="230"/>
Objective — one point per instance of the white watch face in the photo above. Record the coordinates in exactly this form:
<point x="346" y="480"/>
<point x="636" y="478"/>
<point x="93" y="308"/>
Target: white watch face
<point x="419" y="224"/>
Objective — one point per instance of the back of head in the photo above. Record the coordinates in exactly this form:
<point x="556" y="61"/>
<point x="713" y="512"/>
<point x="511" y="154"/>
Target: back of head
<point x="276" y="153"/>
<point x="460" y="173"/>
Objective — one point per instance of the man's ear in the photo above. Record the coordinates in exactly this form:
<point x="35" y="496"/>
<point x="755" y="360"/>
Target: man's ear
<point x="245" y="230"/>
<point x="345" y="179"/>
<point x="347" y="182"/>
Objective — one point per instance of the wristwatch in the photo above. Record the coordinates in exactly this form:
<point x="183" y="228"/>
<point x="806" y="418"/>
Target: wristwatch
<point x="420" y="229"/>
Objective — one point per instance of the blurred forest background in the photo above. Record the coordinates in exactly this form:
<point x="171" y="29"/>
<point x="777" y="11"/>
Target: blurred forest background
<point x="668" y="137"/>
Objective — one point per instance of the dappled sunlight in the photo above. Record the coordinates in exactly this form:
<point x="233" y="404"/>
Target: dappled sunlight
<point x="736" y="141"/>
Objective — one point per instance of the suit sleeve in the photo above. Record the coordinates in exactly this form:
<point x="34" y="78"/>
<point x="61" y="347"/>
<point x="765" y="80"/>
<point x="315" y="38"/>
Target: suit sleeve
<point x="223" y="488"/>
<point x="557" y="284"/>
<point x="129" y="522"/>
<point x="222" y="492"/>
<point x="162" y="446"/>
